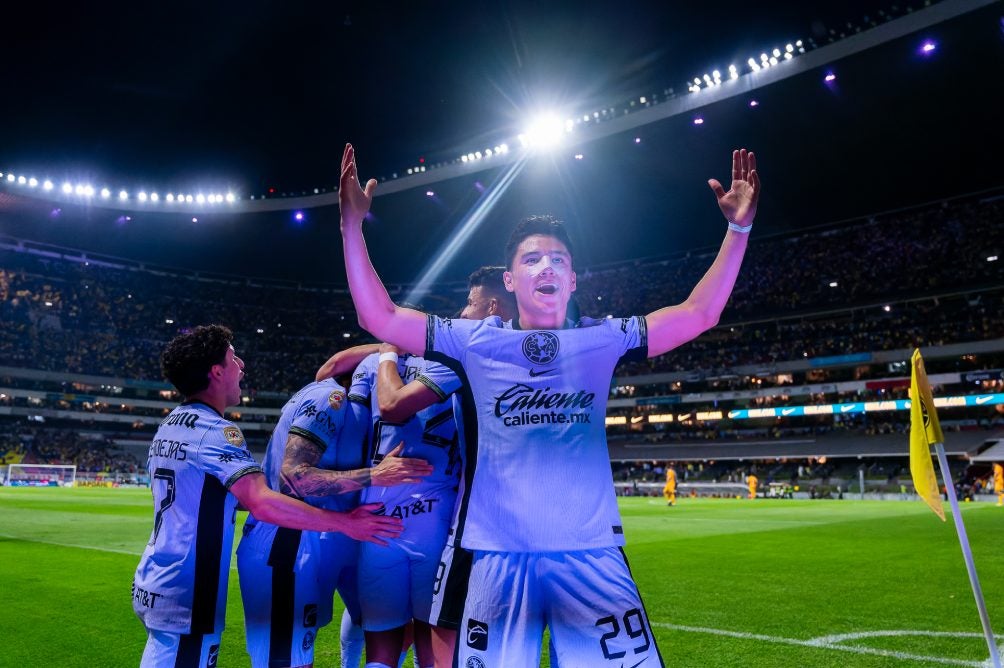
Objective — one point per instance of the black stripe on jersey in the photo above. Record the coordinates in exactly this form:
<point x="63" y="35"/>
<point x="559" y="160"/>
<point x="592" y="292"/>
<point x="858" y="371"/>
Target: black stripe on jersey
<point x="189" y="653"/>
<point x="651" y="635"/>
<point x="203" y="403"/>
<point x="456" y="583"/>
<point x="310" y="436"/>
<point x="282" y="559"/>
<point x="359" y="399"/>
<point x="469" y="416"/>
<point x="208" y="554"/>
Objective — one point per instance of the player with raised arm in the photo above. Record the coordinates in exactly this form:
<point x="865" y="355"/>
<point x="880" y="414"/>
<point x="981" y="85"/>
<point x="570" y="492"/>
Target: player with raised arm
<point x="288" y="577"/>
<point x="200" y="470"/>
<point x="538" y="512"/>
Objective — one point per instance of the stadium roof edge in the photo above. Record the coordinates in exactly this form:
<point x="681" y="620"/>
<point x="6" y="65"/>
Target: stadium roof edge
<point x="894" y="29"/>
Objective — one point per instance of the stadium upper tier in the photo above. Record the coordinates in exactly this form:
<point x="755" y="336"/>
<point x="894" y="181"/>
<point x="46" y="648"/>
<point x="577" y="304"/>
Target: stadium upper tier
<point x="929" y="276"/>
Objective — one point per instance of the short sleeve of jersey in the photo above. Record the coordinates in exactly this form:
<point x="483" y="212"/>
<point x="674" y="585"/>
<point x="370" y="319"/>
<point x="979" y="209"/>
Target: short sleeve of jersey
<point x="321" y="414"/>
<point x="439" y="379"/>
<point x="362" y="380"/>
<point x="449" y="336"/>
<point x="634" y="331"/>
<point x="224" y="454"/>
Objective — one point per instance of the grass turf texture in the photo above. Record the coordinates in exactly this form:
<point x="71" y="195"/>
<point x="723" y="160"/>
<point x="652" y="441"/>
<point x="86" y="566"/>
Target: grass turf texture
<point x="726" y="582"/>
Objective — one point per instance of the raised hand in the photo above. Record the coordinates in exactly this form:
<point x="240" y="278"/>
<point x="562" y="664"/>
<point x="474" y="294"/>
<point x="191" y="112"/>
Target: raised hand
<point x="739" y="203"/>
<point x="353" y="200"/>
<point x="397" y="470"/>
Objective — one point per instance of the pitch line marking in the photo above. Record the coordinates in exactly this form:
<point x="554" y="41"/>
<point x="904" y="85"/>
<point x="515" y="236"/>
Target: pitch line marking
<point x="830" y="642"/>
<point x="81" y="547"/>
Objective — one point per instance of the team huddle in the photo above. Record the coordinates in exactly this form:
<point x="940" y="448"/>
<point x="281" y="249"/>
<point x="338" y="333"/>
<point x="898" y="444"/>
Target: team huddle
<point x="451" y="484"/>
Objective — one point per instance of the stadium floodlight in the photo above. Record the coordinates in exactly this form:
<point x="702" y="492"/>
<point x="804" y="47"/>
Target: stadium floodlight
<point x="212" y="198"/>
<point x="195" y="220"/>
<point x="231" y="198"/>
<point x="776" y="53"/>
<point x="754" y="103"/>
<point x="463" y="158"/>
<point x="787" y="56"/>
<point x="154" y="197"/>
<point x="789" y="48"/>
<point x="10" y="177"/>
<point x="67" y="188"/>
<point x="578" y="156"/>
<point x="643" y="99"/>
<point x="545" y="131"/>
<point x="21" y="180"/>
<point x="88" y="190"/>
<point x="79" y="189"/>
<point x="188" y="200"/>
<point x="32" y="182"/>
<point x="141" y="196"/>
<point x="105" y="193"/>
<point x="503" y="148"/>
<point x="991" y="258"/>
<point x="773" y="60"/>
<point x="477" y="154"/>
<point x="170" y="198"/>
<point x="833" y="284"/>
<point x="47" y="185"/>
<point x="123" y="195"/>
<point x="698" y="121"/>
<point x="200" y="198"/>
<point x="830" y="77"/>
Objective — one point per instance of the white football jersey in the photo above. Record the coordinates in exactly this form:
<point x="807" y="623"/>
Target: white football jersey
<point x="537" y="470"/>
<point x="195" y="457"/>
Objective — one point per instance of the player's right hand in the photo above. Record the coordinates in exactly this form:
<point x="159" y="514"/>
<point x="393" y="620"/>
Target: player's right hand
<point x="364" y="525"/>
<point x="353" y="200"/>
<point x="397" y="470"/>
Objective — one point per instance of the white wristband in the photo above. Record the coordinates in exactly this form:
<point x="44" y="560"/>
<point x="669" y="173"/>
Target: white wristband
<point x="739" y="228"/>
<point x="388" y="357"/>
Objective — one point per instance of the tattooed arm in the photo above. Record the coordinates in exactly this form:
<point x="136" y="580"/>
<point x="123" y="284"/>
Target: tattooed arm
<point x="300" y="476"/>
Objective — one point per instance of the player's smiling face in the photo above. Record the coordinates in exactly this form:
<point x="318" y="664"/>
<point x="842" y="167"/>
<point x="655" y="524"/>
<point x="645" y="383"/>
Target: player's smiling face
<point x="541" y="278"/>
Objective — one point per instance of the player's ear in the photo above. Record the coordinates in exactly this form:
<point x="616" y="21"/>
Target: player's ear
<point x="507" y="280"/>
<point x="493" y="306"/>
<point x="572" y="286"/>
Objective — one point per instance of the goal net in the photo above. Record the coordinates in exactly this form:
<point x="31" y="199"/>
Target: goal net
<point x="41" y="475"/>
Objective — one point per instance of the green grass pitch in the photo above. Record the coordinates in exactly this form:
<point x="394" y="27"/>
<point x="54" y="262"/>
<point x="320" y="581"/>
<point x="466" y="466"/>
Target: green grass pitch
<point x="726" y="582"/>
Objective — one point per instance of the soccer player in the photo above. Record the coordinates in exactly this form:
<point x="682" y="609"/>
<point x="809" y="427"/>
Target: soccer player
<point x="487" y="295"/>
<point x="288" y="577"/>
<point x="395" y="582"/>
<point x="538" y="512"/>
<point x="200" y="470"/>
<point x="669" y="491"/>
<point x="999" y="483"/>
<point x="751" y="482"/>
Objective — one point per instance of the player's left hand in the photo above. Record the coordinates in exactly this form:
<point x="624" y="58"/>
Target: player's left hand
<point x="739" y="203"/>
<point x="353" y="200"/>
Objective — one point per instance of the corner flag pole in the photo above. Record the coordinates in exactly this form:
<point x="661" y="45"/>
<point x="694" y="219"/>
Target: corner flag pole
<point x="925" y="430"/>
<point x="967" y="554"/>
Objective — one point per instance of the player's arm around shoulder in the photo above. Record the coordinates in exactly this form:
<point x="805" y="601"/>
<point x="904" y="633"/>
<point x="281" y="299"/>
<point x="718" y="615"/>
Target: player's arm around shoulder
<point x="269" y="506"/>
<point x="398" y="401"/>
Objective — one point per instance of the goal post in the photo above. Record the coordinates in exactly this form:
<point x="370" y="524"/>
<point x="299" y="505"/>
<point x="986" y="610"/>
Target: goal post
<point x="41" y="475"/>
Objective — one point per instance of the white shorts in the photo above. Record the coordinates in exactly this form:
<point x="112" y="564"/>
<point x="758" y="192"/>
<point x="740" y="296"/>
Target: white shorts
<point x="587" y="599"/>
<point x="174" y="650"/>
<point x="396" y="581"/>
<point x="288" y="579"/>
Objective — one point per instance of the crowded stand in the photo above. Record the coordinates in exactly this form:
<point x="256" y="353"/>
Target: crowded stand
<point x="82" y="336"/>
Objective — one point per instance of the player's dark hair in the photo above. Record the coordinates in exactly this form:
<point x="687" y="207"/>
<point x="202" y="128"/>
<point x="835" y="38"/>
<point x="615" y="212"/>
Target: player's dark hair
<point x="492" y="285"/>
<point x="188" y="358"/>
<point x="547" y="225"/>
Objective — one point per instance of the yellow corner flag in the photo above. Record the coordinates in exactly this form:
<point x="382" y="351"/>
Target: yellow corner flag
<point x="924" y="431"/>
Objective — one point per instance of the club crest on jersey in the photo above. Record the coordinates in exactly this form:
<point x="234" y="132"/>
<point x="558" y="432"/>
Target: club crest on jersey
<point x="540" y="347"/>
<point x="336" y="398"/>
<point x="474" y="662"/>
<point x="233" y="435"/>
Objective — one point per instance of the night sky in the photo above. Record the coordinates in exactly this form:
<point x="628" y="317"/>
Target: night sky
<point x="260" y="95"/>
